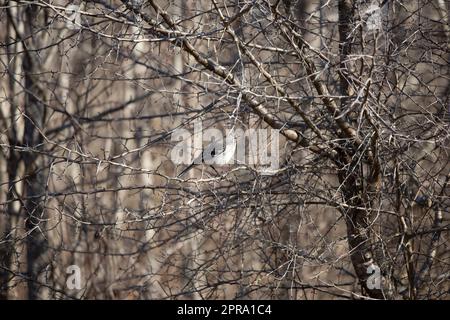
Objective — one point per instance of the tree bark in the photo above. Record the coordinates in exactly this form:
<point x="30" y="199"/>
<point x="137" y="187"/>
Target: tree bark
<point x="358" y="220"/>
<point x="35" y="172"/>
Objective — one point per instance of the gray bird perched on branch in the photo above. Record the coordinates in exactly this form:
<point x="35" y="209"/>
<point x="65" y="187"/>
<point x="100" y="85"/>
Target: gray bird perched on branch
<point x="216" y="153"/>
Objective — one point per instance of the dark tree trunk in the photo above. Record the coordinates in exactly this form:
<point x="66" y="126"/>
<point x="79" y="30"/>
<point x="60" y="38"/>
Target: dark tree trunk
<point x="35" y="173"/>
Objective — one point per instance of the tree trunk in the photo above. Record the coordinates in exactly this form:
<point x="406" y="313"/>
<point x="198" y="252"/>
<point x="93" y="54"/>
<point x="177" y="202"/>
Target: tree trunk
<point x="35" y="172"/>
<point x="358" y="220"/>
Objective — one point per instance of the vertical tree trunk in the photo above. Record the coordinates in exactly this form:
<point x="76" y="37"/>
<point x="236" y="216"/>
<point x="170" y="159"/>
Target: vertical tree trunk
<point x="6" y="248"/>
<point x="35" y="173"/>
<point x="358" y="222"/>
<point x="346" y="10"/>
<point x="358" y="197"/>
<point x="11" y="160"/>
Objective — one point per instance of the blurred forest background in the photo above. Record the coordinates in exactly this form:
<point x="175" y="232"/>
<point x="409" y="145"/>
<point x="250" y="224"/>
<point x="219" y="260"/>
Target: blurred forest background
<point x="91" y="92"/>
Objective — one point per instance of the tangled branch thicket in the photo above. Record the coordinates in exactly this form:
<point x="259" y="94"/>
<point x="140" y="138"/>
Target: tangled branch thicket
<point x="358" y="92"/>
